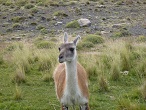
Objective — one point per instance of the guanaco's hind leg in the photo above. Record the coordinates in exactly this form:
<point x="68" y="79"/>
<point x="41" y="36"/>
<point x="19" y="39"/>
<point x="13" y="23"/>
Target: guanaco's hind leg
<point x="84" y="107"/>
<point x="64" y="107"/>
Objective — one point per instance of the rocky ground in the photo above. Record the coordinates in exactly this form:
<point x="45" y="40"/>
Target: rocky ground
<point x="106" y="18"/>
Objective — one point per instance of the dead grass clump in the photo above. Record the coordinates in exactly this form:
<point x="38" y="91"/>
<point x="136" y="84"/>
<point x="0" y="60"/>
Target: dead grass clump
<point x="115" y="72"/>
<point x="19" y="76"/>
<point x="103" y="84"/>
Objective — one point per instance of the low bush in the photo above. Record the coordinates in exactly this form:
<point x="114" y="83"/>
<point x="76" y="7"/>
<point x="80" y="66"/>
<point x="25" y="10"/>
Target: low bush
<point x="60" y="14"/>
<point x="141" y="38"/>
<point x="95" y="39"/>
<point x="34" y="10"/>
<point x="18" y="19"/>
<point x="73" y="24"/>
<point x="28" y="6"/>
<point x="44" y="31"/>
<point x="121" y="33"/>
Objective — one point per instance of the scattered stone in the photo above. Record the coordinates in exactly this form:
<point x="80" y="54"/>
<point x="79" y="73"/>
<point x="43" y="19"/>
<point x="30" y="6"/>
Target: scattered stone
<point x="84" y="22"/>
<point x="54" y="17"/>
<point x="105" y="32"/>
<point x="101" y="6"/>
<point x="124" y="72"/>
<point x="58" y="23"/>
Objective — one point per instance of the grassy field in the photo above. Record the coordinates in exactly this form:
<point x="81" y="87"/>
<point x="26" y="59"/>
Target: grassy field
<point x="116" y="69"/>
<point x="116" y="65"/>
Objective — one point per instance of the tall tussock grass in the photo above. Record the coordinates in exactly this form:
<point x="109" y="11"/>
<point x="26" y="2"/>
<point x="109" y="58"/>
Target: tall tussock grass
<point x="17" y="93"/>
<point x="29" y="58"/>
<point x="19" y="76"/>
<point x="103" y="84"/>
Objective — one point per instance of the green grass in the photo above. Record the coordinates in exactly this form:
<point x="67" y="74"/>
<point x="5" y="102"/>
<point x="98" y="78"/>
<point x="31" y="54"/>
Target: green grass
<point x="73" y="24"/>
<point x="109" y="87"/>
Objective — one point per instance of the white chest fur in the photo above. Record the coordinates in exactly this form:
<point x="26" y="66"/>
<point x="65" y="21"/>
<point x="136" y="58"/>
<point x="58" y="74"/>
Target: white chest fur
<point x="72" y="93"/>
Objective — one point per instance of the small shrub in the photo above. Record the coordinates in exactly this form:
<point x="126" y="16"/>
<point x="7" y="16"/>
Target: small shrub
<point x="34" y="10"/>
<point x="40" y="4"/>
<point x="101" y="2"/>
<point x="18" y="19"/>
<point x="28" y="6"/>
<point x="121" y="33"/>
<point x="120" y="3"/>
<point x="16" y="26"/>
<point x="103" y="85"/>
<point x="44" y="31"/>
<point x="54" y="3"/>
<point x="18" y="93"/>
<point x="60" y="14"/>
<point x="39" y="27"/>
<point x="78" y="11"/>
<point x="8" y="3"/>
<point x="141" y="38"/>
<point x="85" y="45"/>
<point x="45" y="44"/>
<point x="95" y="39"/>
<point x="73" y="24"/>
<point x="21" y="3"/>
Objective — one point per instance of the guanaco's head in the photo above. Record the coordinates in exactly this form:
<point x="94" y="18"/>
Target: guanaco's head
<point x="68" y="49"/>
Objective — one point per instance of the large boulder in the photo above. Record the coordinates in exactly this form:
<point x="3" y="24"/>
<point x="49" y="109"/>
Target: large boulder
<point x="84" y="22"/>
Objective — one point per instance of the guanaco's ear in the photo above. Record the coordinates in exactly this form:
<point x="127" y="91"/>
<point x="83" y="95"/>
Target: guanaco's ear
<point x="65" y="37"/>
<point x="76" y="40"/>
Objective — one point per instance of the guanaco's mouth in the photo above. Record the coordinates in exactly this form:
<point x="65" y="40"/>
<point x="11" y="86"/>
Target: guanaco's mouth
<point x="61" y="61"/>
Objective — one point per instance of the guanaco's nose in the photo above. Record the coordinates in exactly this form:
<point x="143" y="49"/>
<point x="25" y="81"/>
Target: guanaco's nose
<point x="60" y="56"/>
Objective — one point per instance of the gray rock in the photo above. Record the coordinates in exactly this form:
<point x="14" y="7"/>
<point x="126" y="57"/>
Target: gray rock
<point x="101" y="6"/>
<point x="84" y="22"/>
<point x="58" y="23"/>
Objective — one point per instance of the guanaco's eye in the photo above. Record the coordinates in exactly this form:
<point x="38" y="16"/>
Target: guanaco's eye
<point x="71" y="49"/>
<point x="59" y="48"/>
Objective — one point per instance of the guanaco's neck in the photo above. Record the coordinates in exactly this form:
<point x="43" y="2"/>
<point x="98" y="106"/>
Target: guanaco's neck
<point x="71" y="76"/>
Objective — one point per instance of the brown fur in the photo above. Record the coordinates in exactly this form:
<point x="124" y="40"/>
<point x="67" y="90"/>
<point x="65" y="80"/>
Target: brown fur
<point x="60" y="81"/>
